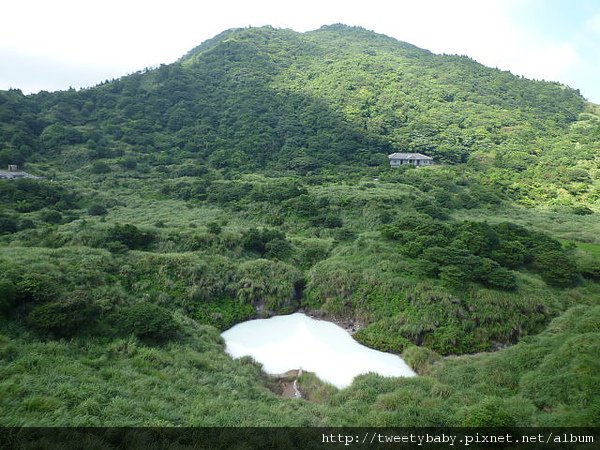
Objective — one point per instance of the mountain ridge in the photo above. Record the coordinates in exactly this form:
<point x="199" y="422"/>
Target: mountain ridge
<point x="275" y="99"/>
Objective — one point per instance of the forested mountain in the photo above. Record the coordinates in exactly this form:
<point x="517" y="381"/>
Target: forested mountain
<point x="251" y="178"/>
<point x="275" y="99"/>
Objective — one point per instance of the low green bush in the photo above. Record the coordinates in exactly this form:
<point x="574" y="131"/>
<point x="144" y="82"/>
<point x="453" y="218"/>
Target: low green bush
<point x="149" y="322"/>
<point x="64" y="318"/>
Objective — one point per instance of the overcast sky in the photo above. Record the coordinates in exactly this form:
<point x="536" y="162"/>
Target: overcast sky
<point x="57" y="44"/>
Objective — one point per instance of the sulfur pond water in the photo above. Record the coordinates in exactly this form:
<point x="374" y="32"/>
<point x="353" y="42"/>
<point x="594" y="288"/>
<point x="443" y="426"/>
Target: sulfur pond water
<point x="296" y="341"/>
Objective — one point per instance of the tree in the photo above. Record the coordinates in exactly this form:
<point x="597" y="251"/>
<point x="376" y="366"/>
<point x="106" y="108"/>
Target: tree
<point x="556" y="268"/>
<point x="501" y="278"/>
<point x="510" y="254"/>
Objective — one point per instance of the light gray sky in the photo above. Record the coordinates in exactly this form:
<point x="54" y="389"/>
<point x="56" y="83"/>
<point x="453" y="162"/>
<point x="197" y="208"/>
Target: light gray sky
<point x="57" y="44"/>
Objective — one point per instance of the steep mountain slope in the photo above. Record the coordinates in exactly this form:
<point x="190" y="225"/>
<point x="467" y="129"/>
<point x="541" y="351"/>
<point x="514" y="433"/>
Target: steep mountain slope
<point x="266" y="97"/>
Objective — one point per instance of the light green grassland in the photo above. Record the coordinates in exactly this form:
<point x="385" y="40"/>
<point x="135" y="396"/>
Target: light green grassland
<point x="561" y="224"/>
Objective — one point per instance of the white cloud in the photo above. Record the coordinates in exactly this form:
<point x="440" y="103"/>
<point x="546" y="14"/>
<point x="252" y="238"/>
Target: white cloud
<point x="593" y="24"/>
<point x="125" y="36"/>
<point x="550" y="62"/>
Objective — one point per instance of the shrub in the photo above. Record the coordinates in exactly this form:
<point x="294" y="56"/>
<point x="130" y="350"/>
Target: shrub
<point x="556" y="268"/>
<point x="130" y="236"/>
<point x="420" y="359"/>
<point x="100" y="167"/>
<point x="97" y="210"/>
<point x="223" y="313"/>
<point x="269" y="284"/>
<point x="64" y="318"/>
<point x="490" y="412"/>
<point x="501" y="278"/>
<point x="31" y="195"/>
<point x="51" y="216"/>
<point x="26" y="224"/>
<point x="312" y="251"/>
<point x="229" y="191"/>
<point x="478" y="238"/>
<point x="378" y="337"/>
<point x="149" y="321"/>
<point x="256" y="240"/>
<point x="510" y="254"/>
<point x="129" y="163"/>
<point x="213" y="227"/>
<point x="34" y="287"/>
<point x="582" y="210"/>
<point x="7" y="295"/>
<point x="278" y="249"/>
<point x="8" y="225"/>
<point x="453" y="277"/>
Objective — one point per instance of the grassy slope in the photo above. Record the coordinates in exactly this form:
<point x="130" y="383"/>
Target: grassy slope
<point x="550" y="379"/>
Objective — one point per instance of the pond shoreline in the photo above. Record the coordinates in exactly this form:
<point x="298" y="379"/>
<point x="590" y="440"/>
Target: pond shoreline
<point x="350" y="324"/>
<point x="314" y="343"/>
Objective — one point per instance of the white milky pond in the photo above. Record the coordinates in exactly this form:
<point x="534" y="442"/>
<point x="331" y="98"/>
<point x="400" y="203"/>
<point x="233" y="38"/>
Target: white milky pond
<point x="297" y="341"/>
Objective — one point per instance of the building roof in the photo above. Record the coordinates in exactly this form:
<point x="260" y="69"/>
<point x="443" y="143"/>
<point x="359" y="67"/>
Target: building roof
<point x="408" y="156"/>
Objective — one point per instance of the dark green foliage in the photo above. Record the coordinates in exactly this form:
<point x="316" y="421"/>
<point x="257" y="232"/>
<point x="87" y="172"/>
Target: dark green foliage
<point x="226" y="192"/>
<point x="149" y="322"/>
<point x="213" y="227"/>
<point x="453" y="277"/>
<point x="479" y="252"/>
<point x="26" y="195"/>
<point x="51" y="216"/>
<point x="8" y="225"/>
<point x="277" y="191"/>
<point x="328" y="220"/>
<point x="500" y="278"/>
<point x="130" y="236"/>
<point x="265" y="240"/>
<point x="224" y="313"/>
<point x="511" y="254"/>
<point x="582" y="210"/>
<point x="64" y="318"/>
<point x="477" y="238"/>
<point x="129" y="163"/>
<point x="278" y="248"/>
<point x="304" y="205"/>
<point x="97" y="210"/>
<point x="556" y="268"/>
<point x="420" y="359"/>
<point x="269" y="285"/>
<point x="8" y="294"/>
<point x="56" y="135"/>
<point x="34" y="287"/>
<point x="26" y="224"/>
<point x="100" y="167"/>
<point x="377" y="336"/>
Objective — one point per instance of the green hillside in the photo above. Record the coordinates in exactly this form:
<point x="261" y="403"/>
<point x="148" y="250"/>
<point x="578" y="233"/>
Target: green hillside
<point x="251" y="178"/>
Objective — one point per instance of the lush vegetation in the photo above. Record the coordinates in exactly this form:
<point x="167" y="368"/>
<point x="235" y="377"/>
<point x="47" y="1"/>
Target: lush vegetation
<point x="250" y="178"/>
